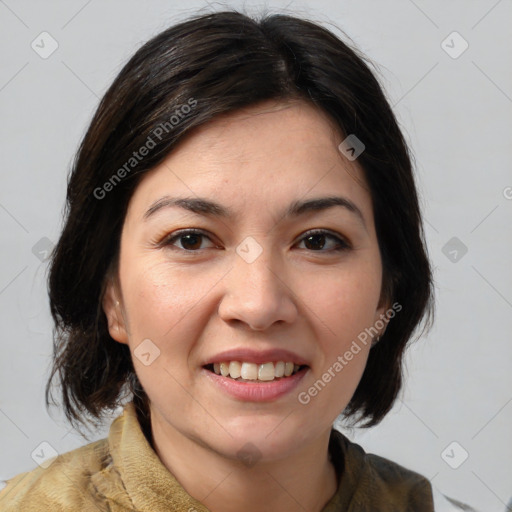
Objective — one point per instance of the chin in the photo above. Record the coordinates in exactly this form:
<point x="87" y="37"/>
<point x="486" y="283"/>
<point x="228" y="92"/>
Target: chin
<point x="265" y="438"/>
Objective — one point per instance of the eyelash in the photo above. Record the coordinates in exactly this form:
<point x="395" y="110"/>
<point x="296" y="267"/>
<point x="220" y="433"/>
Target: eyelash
<point x="343" y="245"/>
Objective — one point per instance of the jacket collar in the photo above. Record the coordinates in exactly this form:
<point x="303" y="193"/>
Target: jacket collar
<point x="135" y="478"/>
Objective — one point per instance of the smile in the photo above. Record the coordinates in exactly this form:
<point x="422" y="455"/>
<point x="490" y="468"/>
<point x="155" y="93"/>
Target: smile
<point x="245" y="371"/>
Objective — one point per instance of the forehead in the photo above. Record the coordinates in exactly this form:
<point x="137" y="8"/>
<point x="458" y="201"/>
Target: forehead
<point x="260" y="157"/>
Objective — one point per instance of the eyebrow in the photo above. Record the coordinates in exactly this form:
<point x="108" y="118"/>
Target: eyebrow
<point x="207" y="207"/>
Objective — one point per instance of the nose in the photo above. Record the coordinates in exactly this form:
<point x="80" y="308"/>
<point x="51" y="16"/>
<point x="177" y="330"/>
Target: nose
<point x="256" y="294"/>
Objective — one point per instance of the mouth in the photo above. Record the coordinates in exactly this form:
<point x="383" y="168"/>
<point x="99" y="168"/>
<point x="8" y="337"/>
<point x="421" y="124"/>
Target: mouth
<point x="242" y="371"/>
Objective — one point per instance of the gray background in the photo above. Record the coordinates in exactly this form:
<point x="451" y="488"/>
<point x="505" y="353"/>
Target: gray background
<point x="456" y="115"/>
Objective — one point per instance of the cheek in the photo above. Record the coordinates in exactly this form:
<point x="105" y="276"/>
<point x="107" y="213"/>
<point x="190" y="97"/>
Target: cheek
<point x="158" y="296"/>
<point x="161" y="303"/>
<point x="344" y="307"/>
<point x="345" y="301"/>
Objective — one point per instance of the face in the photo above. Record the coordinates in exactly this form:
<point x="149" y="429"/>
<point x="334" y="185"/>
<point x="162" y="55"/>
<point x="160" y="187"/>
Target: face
<point x="253" y="283"/>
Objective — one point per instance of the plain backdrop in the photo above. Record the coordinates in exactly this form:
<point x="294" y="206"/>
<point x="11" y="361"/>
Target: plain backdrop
<point x="455" y="107"/>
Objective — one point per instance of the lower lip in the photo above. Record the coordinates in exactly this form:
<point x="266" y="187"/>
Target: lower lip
<point x="257" y="391"/>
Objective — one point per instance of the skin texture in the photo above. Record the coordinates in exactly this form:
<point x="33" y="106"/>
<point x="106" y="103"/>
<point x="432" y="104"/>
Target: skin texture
<point x="297" y="295"/>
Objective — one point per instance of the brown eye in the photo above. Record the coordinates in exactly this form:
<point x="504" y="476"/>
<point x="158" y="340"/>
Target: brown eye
<point x="317" y="240"/>
<point x="190" y="240"/>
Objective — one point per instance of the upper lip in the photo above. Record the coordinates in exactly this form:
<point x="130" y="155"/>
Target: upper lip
<point x="250" y="355"/>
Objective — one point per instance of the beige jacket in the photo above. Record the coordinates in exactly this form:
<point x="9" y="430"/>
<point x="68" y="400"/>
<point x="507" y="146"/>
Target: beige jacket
<point x="123" y="473"/>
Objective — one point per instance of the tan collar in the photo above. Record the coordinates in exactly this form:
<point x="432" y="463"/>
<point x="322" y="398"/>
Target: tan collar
<point x="136" y="478"/>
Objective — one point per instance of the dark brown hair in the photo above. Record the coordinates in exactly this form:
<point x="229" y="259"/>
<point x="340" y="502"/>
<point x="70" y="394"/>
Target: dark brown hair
<point x="219" y="63"/>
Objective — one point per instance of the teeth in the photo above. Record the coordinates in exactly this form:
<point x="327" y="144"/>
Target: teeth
<point x="235" y="369"/>
<point x="252" y="371"/>
<point x="266" y="371"/>
<point x="249" y="371"/>
<point x="224" y="369"/>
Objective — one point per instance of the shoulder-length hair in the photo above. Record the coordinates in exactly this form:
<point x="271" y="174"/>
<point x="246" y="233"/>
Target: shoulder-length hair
<point x="203" y="67"/>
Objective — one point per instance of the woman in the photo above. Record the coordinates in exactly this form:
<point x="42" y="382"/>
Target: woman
<point x="242" y="261"/>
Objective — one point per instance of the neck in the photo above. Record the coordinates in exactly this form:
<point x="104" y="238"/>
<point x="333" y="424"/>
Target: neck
<point x="305" y="480"/>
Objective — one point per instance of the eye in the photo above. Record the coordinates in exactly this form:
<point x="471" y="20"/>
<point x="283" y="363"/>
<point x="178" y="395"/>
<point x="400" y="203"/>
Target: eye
<point x="190" y="239"/>
<point x="315" y="240"/>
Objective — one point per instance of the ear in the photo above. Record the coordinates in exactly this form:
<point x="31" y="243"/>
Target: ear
<point x="113" y="308"/>
<point x="381" y="317"/>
